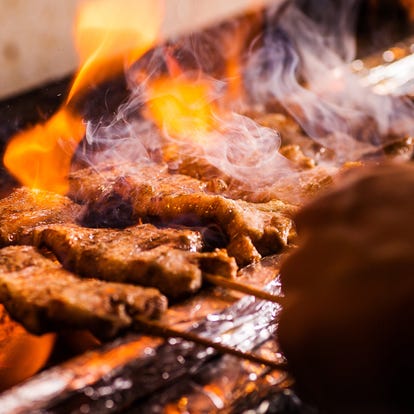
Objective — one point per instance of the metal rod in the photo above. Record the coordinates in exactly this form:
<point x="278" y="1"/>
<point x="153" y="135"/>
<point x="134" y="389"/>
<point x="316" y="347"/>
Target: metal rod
<point x="158" y="329"/>
<point x="390" y="71"/>
<point x="241" y="287"/>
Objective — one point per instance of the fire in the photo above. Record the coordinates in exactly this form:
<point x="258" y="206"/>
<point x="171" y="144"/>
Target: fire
<point x="16" y="363"/>
<point x="234" y="78"/>
<point x="109" y="37"/>
<point x="40" y="157"/>
<point x="187" y="106"/>
<point x="182" y="107"/>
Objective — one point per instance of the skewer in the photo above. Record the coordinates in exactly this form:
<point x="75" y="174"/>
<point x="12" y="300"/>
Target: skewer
<point x="241" y="287"/>
<point x="390" y="71"/>
<point x="156" y="328"/>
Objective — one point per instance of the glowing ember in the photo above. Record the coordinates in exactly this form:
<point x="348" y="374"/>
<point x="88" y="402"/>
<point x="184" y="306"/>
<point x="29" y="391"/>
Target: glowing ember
<point x="109" y="37"/>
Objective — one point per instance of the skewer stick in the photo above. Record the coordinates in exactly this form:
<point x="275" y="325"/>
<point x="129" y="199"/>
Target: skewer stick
<point x="156" y="328"/>
<point x="241" y="287"/>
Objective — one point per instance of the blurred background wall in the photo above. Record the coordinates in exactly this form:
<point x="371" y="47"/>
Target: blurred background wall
<point x="35" y="42"/>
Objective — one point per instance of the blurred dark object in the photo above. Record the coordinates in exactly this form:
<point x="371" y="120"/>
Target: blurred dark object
<point x="378" y="23"/>
<point x="382" y="23"/>
<point x="347" y="329"/>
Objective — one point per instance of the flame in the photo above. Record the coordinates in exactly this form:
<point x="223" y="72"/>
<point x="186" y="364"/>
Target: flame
<point x="109" y="37"/>
<point x="187" y="106"/>
<point x="21" y="353"/>
<point x="182" y="107"/>
<point x="235" y="89"/>
<point x="40" y="157"/>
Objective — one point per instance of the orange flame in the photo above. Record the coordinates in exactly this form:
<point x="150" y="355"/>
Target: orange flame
<point x="235" y="89"/>
<point x="182" y="107"/>
<point x="40" y="157"/>
<point x="185" y="108"/>
<point x="109" y="35"/>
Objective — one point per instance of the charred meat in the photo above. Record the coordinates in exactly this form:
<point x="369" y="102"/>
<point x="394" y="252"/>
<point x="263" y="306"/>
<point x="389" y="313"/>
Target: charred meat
<point x="25" y="209"/>
<point x="168" y="259"/>
<point x="153" y="192"/>
<point x="43" y="296"/>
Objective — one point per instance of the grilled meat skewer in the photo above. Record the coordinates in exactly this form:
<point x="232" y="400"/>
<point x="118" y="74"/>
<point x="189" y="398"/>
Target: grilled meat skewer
<point x="169" y="259"/>
<point x="253" y="229"/>
<point x="104" y="308"/>
<point x="135" y="255"/>
<point x="43" y="296"/>
<point x="24" y="209"/>
<point x="127" y="361"/>
<point x="243" y="288"/>
<point x="166" y="259"/>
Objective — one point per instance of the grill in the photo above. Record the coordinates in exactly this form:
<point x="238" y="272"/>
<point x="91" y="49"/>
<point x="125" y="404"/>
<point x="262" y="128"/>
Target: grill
<point x="165" y="373"/>
<point x="144" y="373"/>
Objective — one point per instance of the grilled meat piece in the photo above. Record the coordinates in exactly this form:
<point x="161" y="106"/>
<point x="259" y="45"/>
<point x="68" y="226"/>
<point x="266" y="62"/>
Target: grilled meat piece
<point x="43" y="296"/>
<point x="262" y="228"/>
<point x="24" y="209"/>
<point x="168" y="259"/>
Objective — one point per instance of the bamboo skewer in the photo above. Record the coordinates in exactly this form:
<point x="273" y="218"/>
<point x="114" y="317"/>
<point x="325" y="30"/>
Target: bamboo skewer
<point x="240" y="287"/>
<point x="156" y="328"/>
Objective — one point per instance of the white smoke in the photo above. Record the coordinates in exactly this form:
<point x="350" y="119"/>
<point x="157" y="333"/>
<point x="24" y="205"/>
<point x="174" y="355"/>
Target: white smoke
<point x="304" y="65"/>
<point x="300" y="60"/>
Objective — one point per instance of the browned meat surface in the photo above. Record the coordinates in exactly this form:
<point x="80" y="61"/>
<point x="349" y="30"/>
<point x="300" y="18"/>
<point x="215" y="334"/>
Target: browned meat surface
<point x="295" y="154"/>
<point x="24" y="209"/>
<point x="43" y="296"/>
<point x="306" y="180"/>
<point x="168" y="259"/>
<point x="152" y="191"/>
